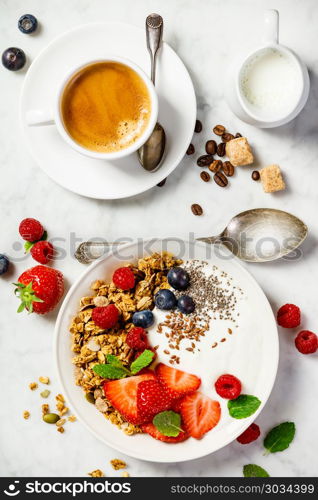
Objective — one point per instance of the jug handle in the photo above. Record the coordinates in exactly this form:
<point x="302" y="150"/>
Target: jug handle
<point x="271" y="27"/>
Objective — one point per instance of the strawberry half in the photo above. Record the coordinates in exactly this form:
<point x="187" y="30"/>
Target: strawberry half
<point x="122" y="394"/>
<point x="177" y="382"/>
<point x="39" y="289"/>
<point x="153" y="432"/>
<point x="151" y="400"/>
<point x="199" y="414"/>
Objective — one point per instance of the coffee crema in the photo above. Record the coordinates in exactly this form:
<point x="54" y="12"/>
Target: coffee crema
<point x="106" y="107"/>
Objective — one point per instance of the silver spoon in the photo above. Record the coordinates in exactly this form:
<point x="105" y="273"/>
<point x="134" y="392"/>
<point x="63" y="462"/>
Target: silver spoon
<point x="151" y="153"/>
<point x="257" y="235"/>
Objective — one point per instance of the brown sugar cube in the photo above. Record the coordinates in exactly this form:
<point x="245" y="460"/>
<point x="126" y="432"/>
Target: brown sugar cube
<point x="272" y="179"/>
<point x="239" y="152"/>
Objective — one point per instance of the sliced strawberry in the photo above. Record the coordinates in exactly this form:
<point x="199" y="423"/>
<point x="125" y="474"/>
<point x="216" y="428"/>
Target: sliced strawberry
<point x="152" y="398"/>
<point x="177" y="382"/>
<point x="122" y="394"/>
<point x="153" y="432"/>
<point x="199" y="414"/>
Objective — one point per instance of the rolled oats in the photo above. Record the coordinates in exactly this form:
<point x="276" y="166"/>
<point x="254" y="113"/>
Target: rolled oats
<point x="60" y="429"/>
<point x="60" y="422"/>
<point x="125" y="473"/>
<point x="26" y="415"/>
<point x="33" y="386"/>
<point x="45" y="394"/>
<point x="72" y="418"/>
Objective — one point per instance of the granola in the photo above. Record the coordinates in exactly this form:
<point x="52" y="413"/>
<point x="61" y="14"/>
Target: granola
<point x="117" y="464"/>
<point x="96" y="473"/>
<point x="91" y="344"/>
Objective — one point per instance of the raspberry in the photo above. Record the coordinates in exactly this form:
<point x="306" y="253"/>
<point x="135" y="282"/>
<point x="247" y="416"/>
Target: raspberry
<point x="31" y="229"/>
<point x="105" y="317"/>
<point x="288" y="316"/>
<point x="306" y="342"/>
<point x="42" y="252"/>
<point x="124" y="278"/>
<point x="228" y="387"/>
<point x="249" y="435"/>
<point x="137" y="339"/>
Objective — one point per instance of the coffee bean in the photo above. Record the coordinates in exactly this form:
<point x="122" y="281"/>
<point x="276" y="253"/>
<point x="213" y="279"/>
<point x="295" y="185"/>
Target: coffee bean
<point x="220" y="150"/>
<point x="190" y="149"/>
<point x="237" y="135"/>
<point x="196" y="209"/>
<point x="255" y="175"/>
<point x="215" y="166"/>
<point x="205" y="176"/>
<point x="228" y="168"/>
<point x="226" y="137"/>
<point x="210" y="147"/>
<point x="162" y="183"/>
<point x="204" y="160"/>
<point x="219" y="130"/>
<point x="220" y="179"/>
<point x="198" y="126"/>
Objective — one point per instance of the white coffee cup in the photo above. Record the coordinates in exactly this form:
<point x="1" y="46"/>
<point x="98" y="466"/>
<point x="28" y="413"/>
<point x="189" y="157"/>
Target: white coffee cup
<point x="270" y="86"/>
<point x="53" y="116"/>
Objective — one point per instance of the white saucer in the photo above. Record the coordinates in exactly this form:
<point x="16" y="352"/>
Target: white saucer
<point x="97" y="178"/>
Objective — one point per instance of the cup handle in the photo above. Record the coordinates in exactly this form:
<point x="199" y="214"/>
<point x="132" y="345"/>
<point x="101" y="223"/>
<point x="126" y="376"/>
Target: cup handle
<point x="271" y="27"/>
<point x="37" y="117"/>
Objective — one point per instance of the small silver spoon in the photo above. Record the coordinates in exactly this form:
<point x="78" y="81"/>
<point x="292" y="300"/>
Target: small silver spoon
<point x="257" y="235"/>
<point x="151" y="153"/>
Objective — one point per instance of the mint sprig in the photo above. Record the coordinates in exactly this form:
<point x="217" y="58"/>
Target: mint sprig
<point x="114" y="369"/>
<point x="244" y="406"/>
<point x="280" y="437"/>
<point x="168" y="423"/>
<point x="253" y="470"/>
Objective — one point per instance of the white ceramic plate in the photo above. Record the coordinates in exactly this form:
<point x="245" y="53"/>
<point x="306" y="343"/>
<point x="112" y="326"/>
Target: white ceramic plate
<point x="251" y="354"/>
<point x="98" y="178"/>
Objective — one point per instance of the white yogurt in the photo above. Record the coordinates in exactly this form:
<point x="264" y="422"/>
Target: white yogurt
<point x="270" y="83"/>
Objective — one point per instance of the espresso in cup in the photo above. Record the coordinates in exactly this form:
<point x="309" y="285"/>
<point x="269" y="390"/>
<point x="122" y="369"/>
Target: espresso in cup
<point x="106" y="107"/>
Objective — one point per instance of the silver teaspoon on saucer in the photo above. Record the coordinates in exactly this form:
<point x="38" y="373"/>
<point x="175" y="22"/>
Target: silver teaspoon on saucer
<point x="151" y="153"/>
<point x="257" y="235"/>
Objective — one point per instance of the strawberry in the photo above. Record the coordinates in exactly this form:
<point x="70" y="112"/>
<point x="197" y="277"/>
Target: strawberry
<point x="122" y="394"/>
<point x="176" y="405"/>
<point x="151" y="399"/>
<point x="199" y="414"/>
<point x="153" y="432"/>
<point x="177" y="382"/>
<point x="40" y="289"/>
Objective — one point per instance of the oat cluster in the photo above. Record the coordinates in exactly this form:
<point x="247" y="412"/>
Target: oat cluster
<point x="91" y="344"/>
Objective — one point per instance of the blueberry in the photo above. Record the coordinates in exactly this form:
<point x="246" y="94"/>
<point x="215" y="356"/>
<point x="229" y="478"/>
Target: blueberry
<point x="143" y="318"/>
<point x="165" y="299"/>
<point x="186" y="304"/>
<point x="178" y="278"/>
<point x="13" y="59"/>
<point x="27" y="23"/>
<point x="4" y="264"/>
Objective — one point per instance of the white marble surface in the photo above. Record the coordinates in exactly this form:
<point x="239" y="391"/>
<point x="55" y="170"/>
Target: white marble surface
<point x="205" y="33"/>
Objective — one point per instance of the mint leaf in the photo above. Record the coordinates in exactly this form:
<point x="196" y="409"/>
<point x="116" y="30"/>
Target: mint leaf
<point x="110" y="372"/>
<point x="168" y="423"/>
<point x="114" y="361"/>
<point x="280" y="437"/>
<point x="142" y="361"/>
<point x="27" y="246"/>
<point x="252" y="470"/>
<point x="244" y="406"/>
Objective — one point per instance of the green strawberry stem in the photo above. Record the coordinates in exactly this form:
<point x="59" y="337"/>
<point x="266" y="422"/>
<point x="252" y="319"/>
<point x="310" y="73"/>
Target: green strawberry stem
<point x="27" y="296"/>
